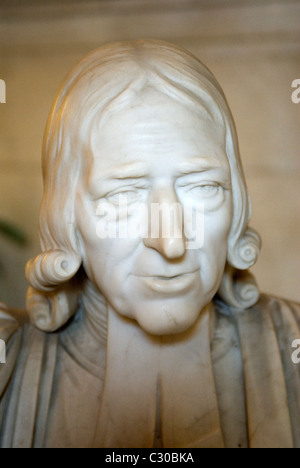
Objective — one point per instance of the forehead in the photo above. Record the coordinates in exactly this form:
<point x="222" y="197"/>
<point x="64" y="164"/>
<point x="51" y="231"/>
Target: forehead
<point x="153" y="129"/>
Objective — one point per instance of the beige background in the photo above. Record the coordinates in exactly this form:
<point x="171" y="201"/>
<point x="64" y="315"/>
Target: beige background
<point x="253" y="47"/>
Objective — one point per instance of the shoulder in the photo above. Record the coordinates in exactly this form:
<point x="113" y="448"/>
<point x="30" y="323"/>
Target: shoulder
<point x="266" y="305"/>
<point x="270" y="316"/>
<point x="282" y="311"/>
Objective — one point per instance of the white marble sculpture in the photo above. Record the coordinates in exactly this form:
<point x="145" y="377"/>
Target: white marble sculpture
<point x="147" y="330"/>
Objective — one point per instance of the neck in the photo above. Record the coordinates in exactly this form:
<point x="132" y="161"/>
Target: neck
<point x="95" y="316"/>
<point x="145" y="381"/>
<point x="86" y="338"/>
<point x="89" y="333"/>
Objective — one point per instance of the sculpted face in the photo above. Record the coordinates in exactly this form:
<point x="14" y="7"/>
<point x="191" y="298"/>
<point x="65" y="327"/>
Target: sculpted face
<point x="156" y="152"/>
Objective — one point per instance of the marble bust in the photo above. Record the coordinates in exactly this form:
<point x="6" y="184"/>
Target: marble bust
<point x="139" y="331"/>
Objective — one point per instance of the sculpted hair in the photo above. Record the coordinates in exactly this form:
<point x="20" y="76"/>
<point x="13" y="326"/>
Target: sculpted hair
<point x="105" y="80"/>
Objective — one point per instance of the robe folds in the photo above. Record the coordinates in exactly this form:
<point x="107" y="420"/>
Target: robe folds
<point x="229" y="382"/>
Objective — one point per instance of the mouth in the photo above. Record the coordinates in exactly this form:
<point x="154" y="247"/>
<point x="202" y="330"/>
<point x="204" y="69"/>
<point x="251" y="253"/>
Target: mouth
<point x="170" y="284"/>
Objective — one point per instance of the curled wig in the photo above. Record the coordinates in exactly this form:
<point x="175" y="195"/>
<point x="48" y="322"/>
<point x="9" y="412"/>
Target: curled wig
<point x="108" y="78"/>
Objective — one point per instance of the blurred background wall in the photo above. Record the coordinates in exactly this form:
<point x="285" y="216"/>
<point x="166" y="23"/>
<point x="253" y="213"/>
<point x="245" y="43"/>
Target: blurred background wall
<point x="253" y="48"/>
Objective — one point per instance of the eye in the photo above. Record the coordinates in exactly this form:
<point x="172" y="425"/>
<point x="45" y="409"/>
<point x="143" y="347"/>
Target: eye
<point x="122" y="197"/>
<point x="205" y="190"/>
<point x="126" y="196"/>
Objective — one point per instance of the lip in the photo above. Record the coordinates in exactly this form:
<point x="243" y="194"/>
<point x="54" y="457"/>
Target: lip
<point x="170" y="284"/>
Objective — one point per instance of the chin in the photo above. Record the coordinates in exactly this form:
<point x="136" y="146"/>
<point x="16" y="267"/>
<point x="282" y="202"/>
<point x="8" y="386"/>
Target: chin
<point x="166" y="322"/>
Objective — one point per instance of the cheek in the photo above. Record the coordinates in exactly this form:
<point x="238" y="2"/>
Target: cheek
<point x="217" y="227"/>
<point x="106" y="262"/>
<point x="91" y="249"/>
<point x="214" y="251"/>
<point x="101" y="256"/>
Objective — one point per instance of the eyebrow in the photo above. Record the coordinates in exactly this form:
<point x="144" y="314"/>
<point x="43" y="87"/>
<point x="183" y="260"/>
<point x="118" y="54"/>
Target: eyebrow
<point x="140" y="170"/>
<point x="126" y="171"/>
<point x="200" y="165"/>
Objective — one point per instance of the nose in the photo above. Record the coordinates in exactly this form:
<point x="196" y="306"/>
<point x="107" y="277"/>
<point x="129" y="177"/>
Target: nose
<point x="165" y="224"/>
